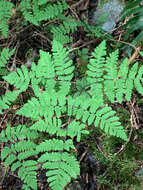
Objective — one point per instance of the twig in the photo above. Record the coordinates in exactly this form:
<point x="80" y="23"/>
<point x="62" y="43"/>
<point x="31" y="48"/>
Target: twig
<point x="120" y="41"/>
<point x="77" y="4"/>
<point x="135" y="54"/>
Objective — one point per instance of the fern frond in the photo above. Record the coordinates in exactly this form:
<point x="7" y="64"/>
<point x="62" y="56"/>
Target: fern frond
<point x="103" y="117"/>
<point x="3" y="71"/>
<point x="54" y="145"/>
<point x="6" y="99"/>
<point x="54" y="126"/>
<point x="62" y="165"/>
<point x="130" y="81"/>
<point x="18" y="133"/>
<point x="20" y="78"/>
<point x="45" y="105"/>
<point x="5" y="55"/>
<point x="139" y="80"/>
<point x="63" y="66"/>
<point x="54" y="10"/>
<point x="105" y="79"/>
<point x="43" y="72"/>
<point x="35" y="13"/>
<point x="5" y="15"/>
<point x="55" y="69"/>
<point x="25" y="7"/>
<point x="95" y="71"/>
<point x="120" y="83"/>
<point x="111" y="75"/>
<point x="76" y="129"/>
<point x="106" y="119"/>
<point x="61" y="33"/>
<point x="18" y="151"/>
<point x="27" y="173"/>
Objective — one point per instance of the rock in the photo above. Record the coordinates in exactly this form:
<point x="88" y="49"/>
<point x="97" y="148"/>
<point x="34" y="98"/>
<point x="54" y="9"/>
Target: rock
<point x="112" y="9"/>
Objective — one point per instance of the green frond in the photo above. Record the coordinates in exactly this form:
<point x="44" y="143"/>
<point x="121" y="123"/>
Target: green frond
<point x="79" y="108"/>
<point x="95" y="71"/>
<point x="54" y="145"/>
<point x="96" y="64"/>
<point x="27" y="154"/>
<point x="61" y="33"/>
<point x="75" y="129"/>
<point x="6" y="99"/>
<point x="5" y="15"/>
<point x="105" y="79"/>
<point x="35" y="13"/>
<point x="54" y="126"/>
<point x="44" y="72"/>
<point x="62" y="167"/>
<point x="10" y="159"/>
<point x="17" y="137"/>
<point x="16" y="165"/>
<point x="106" y="119"/>
<point x="63" y="66"/>
<point x="130" y="81"/>
<point x="25" y="145"/>
<point x="120" y="83"/>
<point x="111" y="75"/>
<point x="5" y="56"/>
<point x="54" y="10"/>
<point x="103" y="117"/>
<point x="27" y="173"/>
<point x="49" y="125"/>
<point x="6" y="151"/>
<point x="3" y="71"/>
<point x="45" y="68"/>
<point x="19" y="150"/>
<point x="45" y="105"/>
<point x="54" y="71"/>
<point x="18" y="133"/>
<point x="19" y="78"/>
<point x="138" y="80"/>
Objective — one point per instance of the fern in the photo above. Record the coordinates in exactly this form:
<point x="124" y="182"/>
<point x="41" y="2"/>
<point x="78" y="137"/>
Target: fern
<point x="35" y="13"/>
<point x="20" y="78"/>
<point x="5" y="55"/>
<point x="20" y="149"/>
<point x="5" y="100"/>
<point x="4" y="58"/>
<point x="105" y="78"/>
<point x="62" y="115"/>
<point x="5" y="15"/>
<point x="62" y="32"/>
<point x="61" y="164"/>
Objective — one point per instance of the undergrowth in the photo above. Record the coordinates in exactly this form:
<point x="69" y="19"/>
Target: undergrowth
<point x="65" y="103"/>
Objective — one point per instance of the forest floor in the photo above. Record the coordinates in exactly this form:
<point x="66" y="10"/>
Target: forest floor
<point x="106" y="162"/>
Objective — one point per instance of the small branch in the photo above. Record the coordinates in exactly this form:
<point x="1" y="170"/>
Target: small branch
<point x="135" y="54"/>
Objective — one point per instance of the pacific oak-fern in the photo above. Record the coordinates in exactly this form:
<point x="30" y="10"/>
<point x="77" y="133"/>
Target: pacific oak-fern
<point x="36" y="11"/>
<point x="5" y="15"/>
<point x="39" y="11"/>
<point x="62" y="115"/>
<point x="4" y="57"/>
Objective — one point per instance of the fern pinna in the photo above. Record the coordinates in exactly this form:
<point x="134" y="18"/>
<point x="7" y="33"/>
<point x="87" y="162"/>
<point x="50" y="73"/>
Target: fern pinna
<point x="62" y="115"/>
